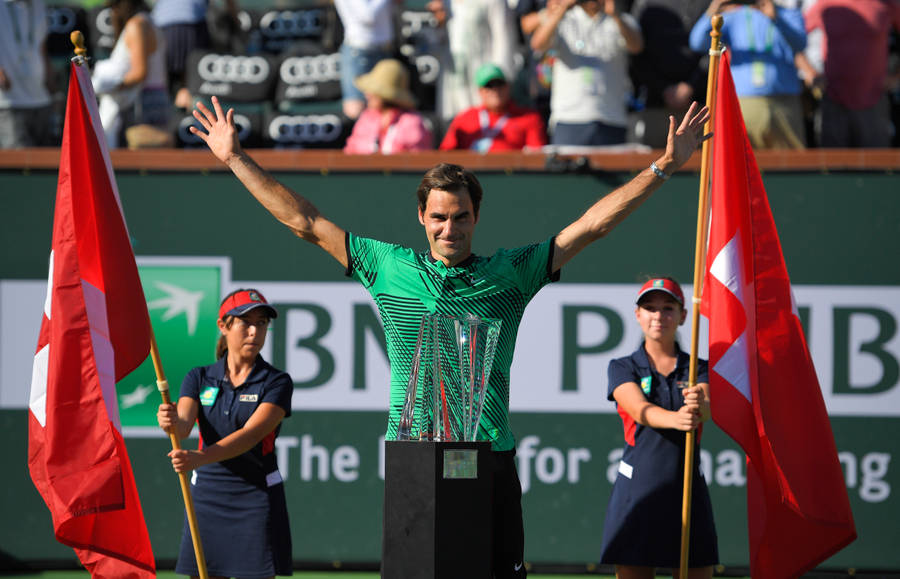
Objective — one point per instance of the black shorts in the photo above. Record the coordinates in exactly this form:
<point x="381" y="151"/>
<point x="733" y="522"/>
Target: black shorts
<point x="509" y="530"/>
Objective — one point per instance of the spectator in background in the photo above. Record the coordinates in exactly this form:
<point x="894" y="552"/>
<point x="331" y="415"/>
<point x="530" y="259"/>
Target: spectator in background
<point x="763" y="39"/>
<point x="498" y="124"/>
<point x="593" y="40"/>
<point x="854" y="111"/>
<point x="474" y="32"/>
<point x="666" y="76"/>
<point x="368" y="38"/>
<point x="26" y="79"/>
<point x="529" y="14"/>
<point x="131" y="83"/>
<point x="812" y="55"/>
<point x="389" y="123"/>
<point x="183" y="25"/>
<point x="538" y="63"/>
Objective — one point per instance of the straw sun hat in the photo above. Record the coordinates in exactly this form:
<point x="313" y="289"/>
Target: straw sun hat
<point x="388" y="80"/>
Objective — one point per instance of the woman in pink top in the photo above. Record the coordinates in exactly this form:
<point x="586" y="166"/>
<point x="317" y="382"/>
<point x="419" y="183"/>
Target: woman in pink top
<point x="389" y="123"/>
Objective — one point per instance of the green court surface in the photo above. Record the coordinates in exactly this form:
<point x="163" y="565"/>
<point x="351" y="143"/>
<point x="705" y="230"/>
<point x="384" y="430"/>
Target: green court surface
<point x="298" y="575"/>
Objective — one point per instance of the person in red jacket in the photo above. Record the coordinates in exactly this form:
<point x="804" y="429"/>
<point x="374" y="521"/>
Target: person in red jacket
<point x="498" y="124"/>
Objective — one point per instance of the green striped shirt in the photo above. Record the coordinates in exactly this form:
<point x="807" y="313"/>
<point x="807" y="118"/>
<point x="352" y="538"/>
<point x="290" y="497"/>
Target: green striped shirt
<point x="405" y="285"/>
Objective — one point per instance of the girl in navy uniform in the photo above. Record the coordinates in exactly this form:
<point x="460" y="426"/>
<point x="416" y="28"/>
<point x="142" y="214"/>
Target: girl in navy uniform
<point x="239" y="403"/>
<point x="642" y="530"/>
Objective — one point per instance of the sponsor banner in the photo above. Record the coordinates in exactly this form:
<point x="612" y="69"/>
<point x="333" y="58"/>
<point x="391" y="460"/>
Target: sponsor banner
<point x="328" y="337"/>
<point x="323" y="129"/>
<point x="420" y="45"/>
<point x="231" y="77"/>
<point x="101" y="36"/>
<point x="61" y="22"/>
<point x="248" y="120"/>
<point x="417" y="26"/>
<point x="279" y="30"/>
<point x="183" y="297"/>
<point x="309" y="75"/>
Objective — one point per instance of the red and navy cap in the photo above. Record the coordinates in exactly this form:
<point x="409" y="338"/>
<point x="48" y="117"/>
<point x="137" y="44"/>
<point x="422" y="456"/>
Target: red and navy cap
<point x="669" y="286"/>
<point x="242" y="302"/>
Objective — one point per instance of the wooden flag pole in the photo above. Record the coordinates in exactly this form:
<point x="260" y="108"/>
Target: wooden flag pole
<point x="77" y="39"/>
<point x="699" y="261"/>
<point x="163" y="385"/>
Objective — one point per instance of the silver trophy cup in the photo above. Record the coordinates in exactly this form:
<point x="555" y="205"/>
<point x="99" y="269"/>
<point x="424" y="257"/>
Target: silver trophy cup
<point x="448" y="378"/>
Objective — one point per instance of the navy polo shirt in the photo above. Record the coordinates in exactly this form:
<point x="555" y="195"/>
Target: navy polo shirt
<point x="660" y="390"/>
<point x="224" y="409"/>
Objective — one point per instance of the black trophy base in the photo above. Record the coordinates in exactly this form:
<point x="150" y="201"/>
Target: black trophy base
<point x="437" y="510"/>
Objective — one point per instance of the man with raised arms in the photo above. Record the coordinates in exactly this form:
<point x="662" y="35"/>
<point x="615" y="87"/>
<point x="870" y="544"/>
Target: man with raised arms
<point x="448" y="278"/>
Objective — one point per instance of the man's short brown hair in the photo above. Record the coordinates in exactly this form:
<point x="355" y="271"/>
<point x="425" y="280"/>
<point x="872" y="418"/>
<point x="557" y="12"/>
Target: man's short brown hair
<point x="450" y="178"/>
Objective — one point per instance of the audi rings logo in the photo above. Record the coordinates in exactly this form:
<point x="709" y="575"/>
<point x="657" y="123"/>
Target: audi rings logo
<point x="241" y="122"/>
<point x="286" y="129"/>
<point x="428" y="68"/>
<point x="60" y="20"/>
<point x="291" y="23"/>
<point x="244" y="20"/>
<point x="311" y="69"/>
<point x="412" y="22"/>
<point x="227" y="68"/>
<point x="103" y="22"/>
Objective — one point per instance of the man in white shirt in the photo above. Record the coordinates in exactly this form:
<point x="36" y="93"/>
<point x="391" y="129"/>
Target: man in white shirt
<point x="592" y="40"/>
<point x="368" y="38"/>
<point x="25" y="75"/>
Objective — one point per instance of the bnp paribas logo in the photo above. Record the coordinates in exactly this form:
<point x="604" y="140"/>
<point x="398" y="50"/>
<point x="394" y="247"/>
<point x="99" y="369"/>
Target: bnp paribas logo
<point x="182" y="297"/>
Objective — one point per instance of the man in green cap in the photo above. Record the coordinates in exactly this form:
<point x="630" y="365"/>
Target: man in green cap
<point x="498" y="124"/>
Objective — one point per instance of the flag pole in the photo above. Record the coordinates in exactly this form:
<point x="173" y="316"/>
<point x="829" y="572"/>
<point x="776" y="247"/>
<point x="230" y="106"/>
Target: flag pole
<point x="77" y="39"/>
<point x="715" y="52"/>
<point x="163" y="385"/>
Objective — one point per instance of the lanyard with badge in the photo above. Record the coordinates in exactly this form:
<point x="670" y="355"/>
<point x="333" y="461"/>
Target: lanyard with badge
<point x="758" y="68"/>
<point x="591" y="41"/>
<point x="488" y="133"/>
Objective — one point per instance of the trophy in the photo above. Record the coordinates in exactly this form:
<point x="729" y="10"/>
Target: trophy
<point x="438" y="481"/>
<point x="448" y="378"/>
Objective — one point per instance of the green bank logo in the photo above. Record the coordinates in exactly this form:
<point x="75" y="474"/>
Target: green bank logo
<point x="183" y="303"/>
<point x="329" y="339"/>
